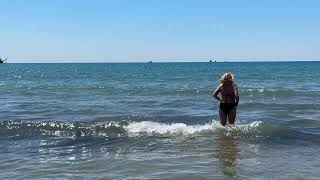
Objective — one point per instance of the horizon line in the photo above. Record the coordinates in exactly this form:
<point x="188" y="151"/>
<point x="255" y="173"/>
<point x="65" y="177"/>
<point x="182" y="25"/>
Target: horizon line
<point x="160" y="61"/>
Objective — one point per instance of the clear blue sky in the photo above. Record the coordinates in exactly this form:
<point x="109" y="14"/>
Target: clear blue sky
<point x="159" y="30"/>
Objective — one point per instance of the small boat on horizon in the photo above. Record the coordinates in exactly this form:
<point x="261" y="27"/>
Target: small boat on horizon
<point x="3" y="60"/>
<point x="212" y="61"/>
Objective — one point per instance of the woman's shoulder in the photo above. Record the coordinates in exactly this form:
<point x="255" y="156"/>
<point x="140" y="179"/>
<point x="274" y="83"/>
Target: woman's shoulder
<point x="235" y="87"/>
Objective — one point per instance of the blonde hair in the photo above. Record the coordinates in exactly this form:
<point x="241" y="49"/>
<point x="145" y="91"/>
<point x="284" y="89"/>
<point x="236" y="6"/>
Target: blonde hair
<point x="226" y="78"/>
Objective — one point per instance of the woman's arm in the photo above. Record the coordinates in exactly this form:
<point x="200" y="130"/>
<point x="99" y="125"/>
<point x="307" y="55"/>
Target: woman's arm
<point x="216" y="92"/>
<point x="236" y="94"/>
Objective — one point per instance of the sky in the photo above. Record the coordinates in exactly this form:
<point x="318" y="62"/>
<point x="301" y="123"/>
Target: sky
<point x="159" y="30"/>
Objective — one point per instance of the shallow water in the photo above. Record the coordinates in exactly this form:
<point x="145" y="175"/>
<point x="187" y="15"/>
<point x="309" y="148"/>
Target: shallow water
<point x="159" y="121"/>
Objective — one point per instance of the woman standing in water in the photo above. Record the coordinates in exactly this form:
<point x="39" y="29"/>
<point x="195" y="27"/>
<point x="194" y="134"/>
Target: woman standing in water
<point x="229" y="98"/>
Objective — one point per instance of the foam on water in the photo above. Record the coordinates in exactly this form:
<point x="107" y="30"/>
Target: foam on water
<point x="116" y="129"/>
<point x="149" y="127"/>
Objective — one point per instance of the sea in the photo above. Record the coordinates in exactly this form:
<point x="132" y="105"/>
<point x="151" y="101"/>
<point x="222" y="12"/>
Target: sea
<point x="158" y="121"/>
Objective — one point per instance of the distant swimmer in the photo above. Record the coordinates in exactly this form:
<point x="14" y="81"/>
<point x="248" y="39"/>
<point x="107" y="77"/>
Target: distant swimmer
<point x="229" y="98"/>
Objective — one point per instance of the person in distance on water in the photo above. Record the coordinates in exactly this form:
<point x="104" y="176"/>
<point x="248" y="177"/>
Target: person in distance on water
<point x="229" y="98"/>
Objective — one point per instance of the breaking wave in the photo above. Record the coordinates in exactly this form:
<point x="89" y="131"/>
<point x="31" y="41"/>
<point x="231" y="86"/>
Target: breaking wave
<point x="116" y="129"/>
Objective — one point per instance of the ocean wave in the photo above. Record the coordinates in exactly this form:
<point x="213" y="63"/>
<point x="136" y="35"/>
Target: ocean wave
<point x="283" y="106"/>
<point x="116" y="129"/>
<point x="304" y="123"/>
<point x="150" y="129"/>
<point x="283" y="92"/>
<point x="61" y="129"/>
<point x="268" y="91"/>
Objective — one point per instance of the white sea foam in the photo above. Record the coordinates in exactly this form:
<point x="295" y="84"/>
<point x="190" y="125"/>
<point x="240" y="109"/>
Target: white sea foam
<point x="149" y="127"/>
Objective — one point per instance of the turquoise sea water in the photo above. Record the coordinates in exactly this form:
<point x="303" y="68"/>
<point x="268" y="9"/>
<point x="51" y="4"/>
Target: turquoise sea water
<point x="158" y="121"/>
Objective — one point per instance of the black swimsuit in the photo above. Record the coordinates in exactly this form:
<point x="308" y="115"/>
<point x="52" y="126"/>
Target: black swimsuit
<point x="227" y="107"/>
